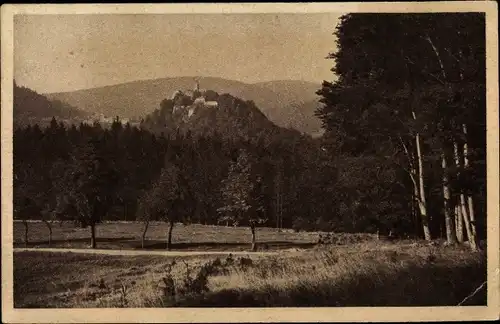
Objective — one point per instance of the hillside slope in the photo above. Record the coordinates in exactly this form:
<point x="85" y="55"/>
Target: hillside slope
<point x="138" y="98"/>
<point x="298" y="103"/>
<point x="31" y="107"/>
<point x="229" y="117"/>
<point x="292" y="90"/>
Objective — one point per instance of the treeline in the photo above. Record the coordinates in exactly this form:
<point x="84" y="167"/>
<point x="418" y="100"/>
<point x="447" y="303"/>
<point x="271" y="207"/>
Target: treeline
<point x="88" y="173"/>
<point x="404" y="148"/>
<point x="412" y="88"/>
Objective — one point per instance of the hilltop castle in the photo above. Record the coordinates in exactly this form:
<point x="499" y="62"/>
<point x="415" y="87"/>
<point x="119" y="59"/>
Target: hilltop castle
<point x="199" y="97"/>
<point x="189" y="103"/>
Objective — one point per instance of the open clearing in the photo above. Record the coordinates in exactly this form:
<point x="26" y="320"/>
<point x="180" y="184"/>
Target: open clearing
<point x="363" y="274"/>
<point x="195" y="237"/>
<point x="355" y="271"/>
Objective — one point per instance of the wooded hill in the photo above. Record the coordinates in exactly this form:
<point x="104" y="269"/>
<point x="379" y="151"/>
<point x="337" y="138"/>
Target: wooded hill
<point x="286" y="103"/>
<point x="32" y="107"/>
<point x="232" y="118"/>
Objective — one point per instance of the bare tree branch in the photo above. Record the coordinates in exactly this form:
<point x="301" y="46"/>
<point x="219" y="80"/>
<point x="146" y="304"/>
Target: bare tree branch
<point x="438" y="56"/>
<point x="427" y="73"/>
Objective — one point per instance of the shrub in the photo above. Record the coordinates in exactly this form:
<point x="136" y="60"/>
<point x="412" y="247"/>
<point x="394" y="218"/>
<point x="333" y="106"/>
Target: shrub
<point x="198" y="284"/>
<point x="302" y="224"/>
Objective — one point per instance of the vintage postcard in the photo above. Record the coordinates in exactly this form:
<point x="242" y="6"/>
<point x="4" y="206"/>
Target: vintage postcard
<point x="308" y="162"/>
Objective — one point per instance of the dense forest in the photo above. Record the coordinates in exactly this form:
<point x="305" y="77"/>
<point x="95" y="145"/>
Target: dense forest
<point x="403" y="151"/>
<point x="418" y="104"/>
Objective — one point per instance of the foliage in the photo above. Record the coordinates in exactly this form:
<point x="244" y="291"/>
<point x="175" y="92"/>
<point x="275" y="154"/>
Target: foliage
<point x="242" y="193"/>
<point x="163" y="196"/>
<point x="428" y="80"/>
<point x="89" y="184"/>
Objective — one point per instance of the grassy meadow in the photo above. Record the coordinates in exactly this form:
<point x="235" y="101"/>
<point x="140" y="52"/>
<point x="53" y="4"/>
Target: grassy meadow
<point x="362" y="274"/>
<point x="122" y="235"/>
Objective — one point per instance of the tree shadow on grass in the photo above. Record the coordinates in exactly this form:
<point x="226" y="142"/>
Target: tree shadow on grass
<point x="77" y="241"/>
<point x="132" y="242"/>
<point x="432" y="285"/>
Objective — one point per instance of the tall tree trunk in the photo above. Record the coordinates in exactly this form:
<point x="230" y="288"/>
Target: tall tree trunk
<point x="278" y="203"/>
<point x="459" y="222"/>
<point x="470" y="220"/>
<point x="93" y="243"/>
<point x="422" y="203"/>
<point x="415" y="195"/>
<point x="25" y="223"/>
<point x="472" y="217"/>
<point x="169" y="237"/>
<point x="143" y="237"/>
<point x="254" y="244"/>
<point x="460" y="206"/>
<point x="468" y="229"/>
<point x="414" y="213"/>
<point x="448" y="219"/>
<point x="466" y="222"/>
<point x="415" y="199"/>
<point x="443" y="74"/>
<point x="470" y="200"/>
<point x="49" y="226"/>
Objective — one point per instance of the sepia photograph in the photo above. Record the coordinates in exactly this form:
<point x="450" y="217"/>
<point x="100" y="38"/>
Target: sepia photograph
<point x="164" y="159"/>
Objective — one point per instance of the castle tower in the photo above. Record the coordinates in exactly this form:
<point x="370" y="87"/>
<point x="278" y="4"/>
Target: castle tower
<point x="196" y="91"/>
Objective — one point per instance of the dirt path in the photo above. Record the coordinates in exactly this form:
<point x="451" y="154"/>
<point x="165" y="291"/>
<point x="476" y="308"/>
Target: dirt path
<point x="139" y="252"/>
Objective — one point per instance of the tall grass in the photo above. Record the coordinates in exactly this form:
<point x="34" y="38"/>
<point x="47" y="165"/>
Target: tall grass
<point x="329" y="278"/>
<point x="366" y="274"/>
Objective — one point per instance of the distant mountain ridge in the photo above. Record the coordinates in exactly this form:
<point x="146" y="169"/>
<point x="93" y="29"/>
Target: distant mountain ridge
<point x="286" y="103"/>
<point x="298" y="103"/>
<point x="30" y="107"/>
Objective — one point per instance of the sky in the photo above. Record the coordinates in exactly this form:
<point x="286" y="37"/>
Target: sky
<point x="55" y="53"/>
